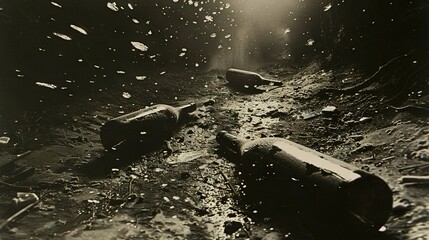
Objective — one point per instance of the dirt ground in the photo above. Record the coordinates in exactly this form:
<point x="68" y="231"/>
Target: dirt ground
<point x="193" y="192"/>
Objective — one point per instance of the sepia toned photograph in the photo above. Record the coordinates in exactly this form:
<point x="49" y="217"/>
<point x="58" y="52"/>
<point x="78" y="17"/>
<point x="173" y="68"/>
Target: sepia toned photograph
<point x="214" y="119"/>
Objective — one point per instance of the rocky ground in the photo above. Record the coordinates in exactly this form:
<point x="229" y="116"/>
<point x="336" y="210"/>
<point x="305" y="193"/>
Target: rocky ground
<point x="193" y="192"/>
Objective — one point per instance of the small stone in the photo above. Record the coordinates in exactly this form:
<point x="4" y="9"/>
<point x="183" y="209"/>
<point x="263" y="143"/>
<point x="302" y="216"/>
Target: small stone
<point x="401" y="206"/>
<point x="329" y="109"/>
<point x="231" y="227"/>
<point x="209" y="102"/>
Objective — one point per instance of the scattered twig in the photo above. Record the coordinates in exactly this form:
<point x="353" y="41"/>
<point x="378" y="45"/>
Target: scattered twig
<point x="130" y="184"/>
<point x="17" y="157"/>
<point x="413" y="109"/>
<point x="229" y="183"/>
<point x="388" y="158"/>
<point x="25" y="173"/>
<point x="413" y="167"/>
<point x="404" y="89"/>
<point x="414" y="179"/>
<point x="17" y="214"/>
<point x="15" y="187"/>
<point x="71" y="223"/>
<point x="368" y="81"/>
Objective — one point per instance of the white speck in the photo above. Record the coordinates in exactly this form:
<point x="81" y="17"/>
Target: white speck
<point x="327" y="7"/>
<point x="184" y="49"/>
<point x="141" y="77"/>
<point x="228" y="36"/>
<point x="175" y="0"/>
<point x="287" y="31"/>
<point x="47" y="85"/>
<point x="63" y="36"/>
<point x="162" y="73"/>
<point x="182" y="54"/>
<point x="310" y="42"/>
<point x="166" y="199"/>
<point x="197" y="65"/>
<point x="135" y="20"/>
<point x="209" y="18"/>
<point x="149" y="33"/>
<point x="213" y="35"/>
<point x="126" y="95"/>
<point x="130" y="6"/>
<point x="140" y="46"/>
<point x="176" y="198"/>
<point x="113" y="6"/>
<point x="79" y="29"/>
<point x="120" y="72"/>
<point x="56" y="4"/>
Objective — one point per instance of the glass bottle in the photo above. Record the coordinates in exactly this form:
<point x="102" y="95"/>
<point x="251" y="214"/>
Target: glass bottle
<point x="247" y="79"/>
<point x="144" y="126"/>
<point x="334" y="192"/>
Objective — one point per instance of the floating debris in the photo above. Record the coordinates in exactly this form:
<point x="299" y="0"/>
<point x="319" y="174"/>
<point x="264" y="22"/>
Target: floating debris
<point x="63" y="36"/>
<point x="140" y="78"/>
<point x="310" y="42"/>
<point x="113" y="6"/>
<point x="47" y="85"/>
<point x="213" y="35"/>
<point x="209" y="18"/>
<point x="140" y="46"/>
<point x="79" y="29"/>
<point x="56" y="4"/>
<point x="327" y="7"/>
<point x="4" y="140"/>
<point x="126" y="95"/>
<point x="136" y="21"/>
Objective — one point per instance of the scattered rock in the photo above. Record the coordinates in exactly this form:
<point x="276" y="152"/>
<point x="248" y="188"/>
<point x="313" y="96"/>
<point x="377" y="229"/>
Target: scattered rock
<point x="329" y="110"/>
<point x="209" y="102"/>
<point x="401" y="206"/>
<point x="422" y="154"/>
<point x="231" y="227"/>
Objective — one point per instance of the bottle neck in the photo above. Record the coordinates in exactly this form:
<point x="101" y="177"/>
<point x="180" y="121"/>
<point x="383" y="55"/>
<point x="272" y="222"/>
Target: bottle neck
<point x="230" y="141"/>
<point x="188" y="108"/>
<point x="272" y="81"/>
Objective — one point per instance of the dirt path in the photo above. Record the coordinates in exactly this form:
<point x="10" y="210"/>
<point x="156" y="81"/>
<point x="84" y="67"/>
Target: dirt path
<point x="87" y="193"/>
